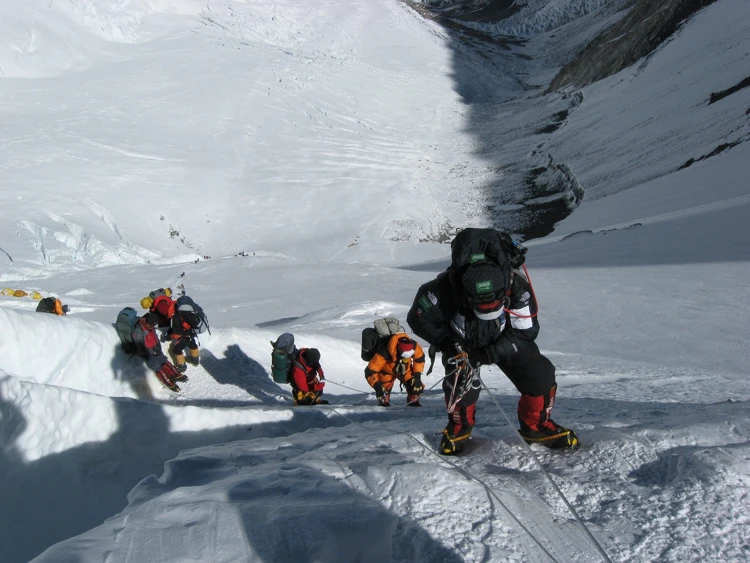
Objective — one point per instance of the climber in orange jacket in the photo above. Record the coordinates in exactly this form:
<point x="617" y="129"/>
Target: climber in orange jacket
<point x="400" y="358"/>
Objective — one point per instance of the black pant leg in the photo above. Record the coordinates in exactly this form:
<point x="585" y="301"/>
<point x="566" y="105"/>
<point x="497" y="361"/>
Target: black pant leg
<point x="530" y="371"/>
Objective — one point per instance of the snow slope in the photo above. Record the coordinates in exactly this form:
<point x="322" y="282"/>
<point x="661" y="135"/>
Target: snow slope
<point x="316" y="153"/>
<point x="142" y="133"/>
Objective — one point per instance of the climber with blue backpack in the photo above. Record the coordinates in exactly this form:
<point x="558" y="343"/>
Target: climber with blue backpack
<point x="188" y="321"/>
<point x="138" y="336"/>
<point x="183" y="320"/>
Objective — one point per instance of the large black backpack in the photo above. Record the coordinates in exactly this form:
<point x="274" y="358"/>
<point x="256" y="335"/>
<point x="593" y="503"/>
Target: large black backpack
<point x="486" y="245"/>
<point x="125" y="325"/>
<point x="476" y="246"/>
<point x="185" y="304"/>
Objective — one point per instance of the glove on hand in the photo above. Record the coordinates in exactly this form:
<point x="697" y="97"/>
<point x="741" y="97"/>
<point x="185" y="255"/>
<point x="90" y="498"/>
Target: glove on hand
<point x="164" y="336"/>
<point x="416" y="383"/>
<point x="318" y="386"/>
<point x="479" y="357"/>
<point x="448" y="348"/>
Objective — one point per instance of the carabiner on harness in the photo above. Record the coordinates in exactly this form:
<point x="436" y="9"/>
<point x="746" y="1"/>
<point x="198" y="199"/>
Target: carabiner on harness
<point x="465" y="378"/>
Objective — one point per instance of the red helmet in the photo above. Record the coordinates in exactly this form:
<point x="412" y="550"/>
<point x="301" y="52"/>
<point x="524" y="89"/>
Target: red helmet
<point x="405" y="347"/>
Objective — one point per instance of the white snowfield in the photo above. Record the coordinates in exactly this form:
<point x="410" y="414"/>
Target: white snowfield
<point x="294" y="166"/>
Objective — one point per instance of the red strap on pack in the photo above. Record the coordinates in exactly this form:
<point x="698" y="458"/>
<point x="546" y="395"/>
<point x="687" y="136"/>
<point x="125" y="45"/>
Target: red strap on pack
<point x="531" y="287"/>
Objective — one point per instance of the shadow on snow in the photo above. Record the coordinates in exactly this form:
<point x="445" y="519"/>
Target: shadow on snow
<point x="43" y="504"/>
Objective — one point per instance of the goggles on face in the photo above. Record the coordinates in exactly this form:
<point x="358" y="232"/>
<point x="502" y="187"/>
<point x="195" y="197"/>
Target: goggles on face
<point x="488" y="309"/>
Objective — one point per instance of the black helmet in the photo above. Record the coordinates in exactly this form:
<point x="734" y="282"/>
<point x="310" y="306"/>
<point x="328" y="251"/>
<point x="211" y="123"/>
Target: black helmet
<point x="152" y="319"/>
<point x="311" y="357"/>
<point x="484" y="285"/>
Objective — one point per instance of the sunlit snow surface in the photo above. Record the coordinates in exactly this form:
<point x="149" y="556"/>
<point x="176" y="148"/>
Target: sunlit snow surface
<point x="310" y="149"/>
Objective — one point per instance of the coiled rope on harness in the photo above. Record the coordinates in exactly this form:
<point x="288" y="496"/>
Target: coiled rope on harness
<point x="466" y="374"/>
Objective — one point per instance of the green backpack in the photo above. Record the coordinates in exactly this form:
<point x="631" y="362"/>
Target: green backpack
<point x="282" y="357"/>
<point x="125" y="325"/>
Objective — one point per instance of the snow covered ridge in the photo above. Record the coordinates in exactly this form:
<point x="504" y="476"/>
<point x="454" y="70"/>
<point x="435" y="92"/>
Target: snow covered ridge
<point x="39" y="38"/>
<point x="124" y="20"/>
<point x="143" y="159"/>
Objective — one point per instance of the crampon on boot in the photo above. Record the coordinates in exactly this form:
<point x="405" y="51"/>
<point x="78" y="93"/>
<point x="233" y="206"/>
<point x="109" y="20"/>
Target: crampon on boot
<point x="384" y="401"/>
<point x="536" y="425"/>
<point x="552" y="435"/>
<point x="194" y="357"/>
<point x="451" y="444"/>
<point x="178" y="361"/>
<point x="303" y="398"/>
<point x="412" y="401"/>
<point x="165" y="375"/>
<point x="308" y="398"/>
<point x="174" y="373"/>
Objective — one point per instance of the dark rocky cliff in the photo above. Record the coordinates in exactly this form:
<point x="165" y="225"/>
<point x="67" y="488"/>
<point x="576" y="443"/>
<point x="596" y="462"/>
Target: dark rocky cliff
<point x="648" y="24"/>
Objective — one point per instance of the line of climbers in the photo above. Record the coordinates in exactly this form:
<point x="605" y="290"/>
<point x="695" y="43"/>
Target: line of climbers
<point x="389" y="352"/>
<point x="481" y="311"/>
<point x="180" y="322"/>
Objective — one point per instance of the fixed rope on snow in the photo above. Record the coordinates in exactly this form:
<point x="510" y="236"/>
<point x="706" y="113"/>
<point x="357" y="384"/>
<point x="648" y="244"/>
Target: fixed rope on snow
<point x="463" y="367"/>
<point x="371" y="392"/>
<point x="462" y="471"/>
<point x="461" y="363"/>
<point x="346" y="386"/>
<point x="531" y="453"/>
